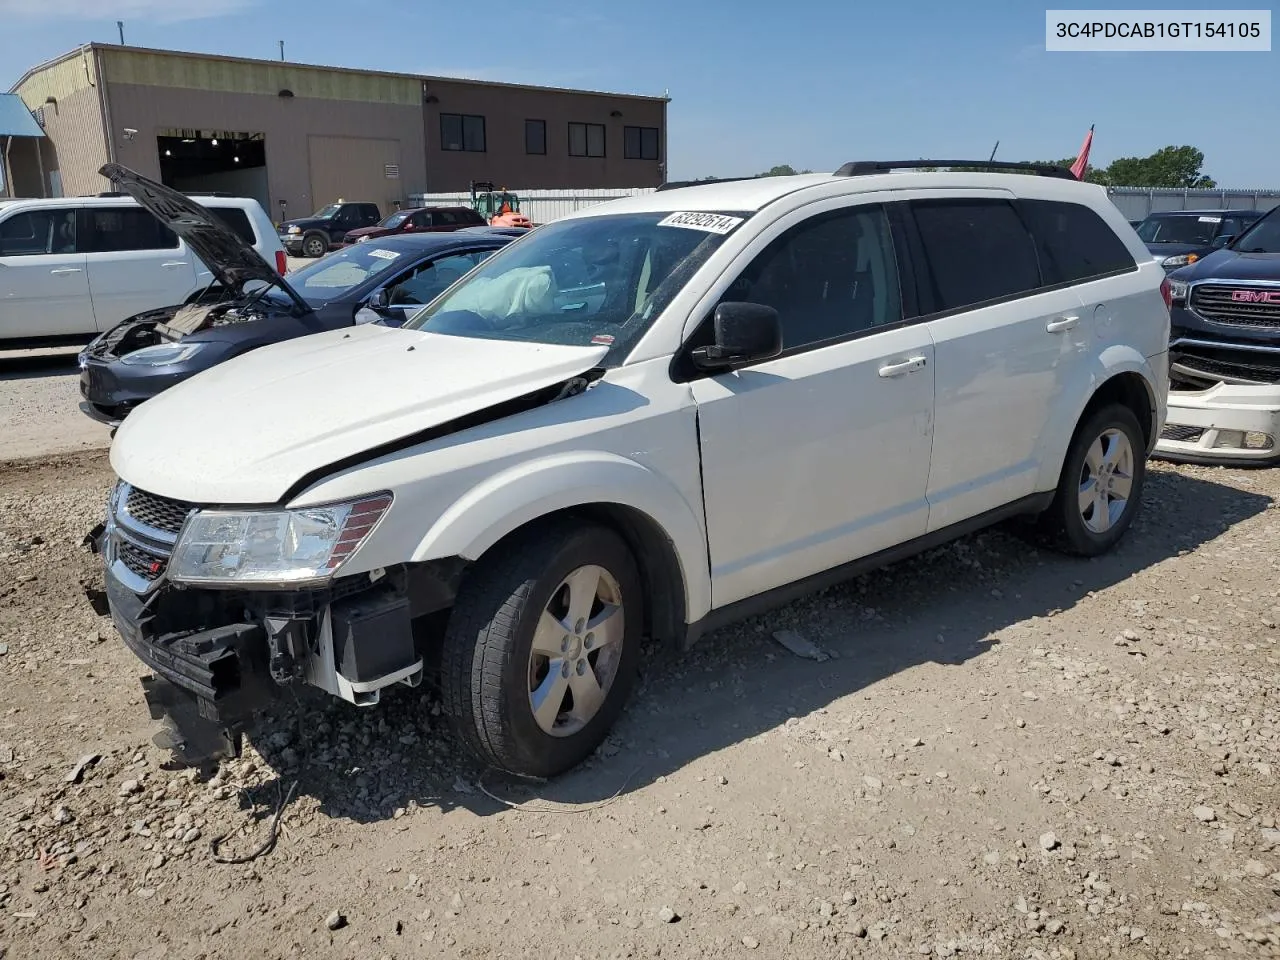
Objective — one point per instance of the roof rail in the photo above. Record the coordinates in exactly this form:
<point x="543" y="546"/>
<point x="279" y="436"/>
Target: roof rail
<point x="860" y="168"/>
<point x="679" y="184"/>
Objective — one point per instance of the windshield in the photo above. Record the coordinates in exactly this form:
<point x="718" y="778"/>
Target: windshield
<point x="1262" y="237"/>
<point x="1193" y="228"/>
<point x="326" y="212"/>
<point x="394" y="220"/>
<point x="594" y="280"/>
<point x="333" y="276"/>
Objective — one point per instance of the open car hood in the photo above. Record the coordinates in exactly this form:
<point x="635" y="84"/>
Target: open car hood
<point x="232" y="261"/>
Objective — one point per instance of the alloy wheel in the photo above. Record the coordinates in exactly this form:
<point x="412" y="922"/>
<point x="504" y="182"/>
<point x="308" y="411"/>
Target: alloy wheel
<point x="1106" y="481"/>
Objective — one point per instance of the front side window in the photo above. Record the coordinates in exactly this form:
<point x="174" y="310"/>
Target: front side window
<point x="581" y="281"/>
<point x="121" y="229"/>
<point x="978" y="251"/>
<point x="393" y="221"/>
<point x="1262" y="237"/>
<point x="332" y="277"/>
<point x="1073" y="242"/>
<point x="829" y="277"/>
<point x="460" y="131"/>
<point x="586" y="139"/>
<point x="327" y="212"/>
<point x="434" y="278"/>
<point x="38" y="232"/>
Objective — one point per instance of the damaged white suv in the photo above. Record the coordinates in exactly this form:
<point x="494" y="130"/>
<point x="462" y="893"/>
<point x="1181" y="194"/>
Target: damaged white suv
<point x="647" y="418"/>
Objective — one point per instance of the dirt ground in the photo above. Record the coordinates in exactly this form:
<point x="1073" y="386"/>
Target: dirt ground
<point x="1009" y="754"/>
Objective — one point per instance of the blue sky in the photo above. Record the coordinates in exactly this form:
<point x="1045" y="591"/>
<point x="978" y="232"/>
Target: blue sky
<point x="753" y="84"/>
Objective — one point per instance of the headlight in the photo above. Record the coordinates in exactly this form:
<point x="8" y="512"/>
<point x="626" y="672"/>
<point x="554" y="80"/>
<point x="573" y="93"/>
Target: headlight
<point x="229" y="547"/>
<point x="295" y="229"/>
<point x="362" y="239"/>
<point x="1181" y="260"/>
<point x="162" y="355"/>
<point x="1177" y="290"/>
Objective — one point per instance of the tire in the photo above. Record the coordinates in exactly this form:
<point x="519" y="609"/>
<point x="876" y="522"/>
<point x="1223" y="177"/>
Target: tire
<point x="498" y="657"/>
<point x="1077" y="523"/>
<point x="315" y="245"/>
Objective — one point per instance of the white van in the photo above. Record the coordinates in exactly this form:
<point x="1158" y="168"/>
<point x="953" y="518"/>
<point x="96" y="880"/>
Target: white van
<point x="73" y="267"/>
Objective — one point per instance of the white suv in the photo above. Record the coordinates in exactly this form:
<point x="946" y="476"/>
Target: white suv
<point x="73" y="267"/>
<point x="647" y="418"/>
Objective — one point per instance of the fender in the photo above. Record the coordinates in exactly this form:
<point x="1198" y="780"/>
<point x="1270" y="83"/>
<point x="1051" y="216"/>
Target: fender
<point x="507" y="501"/>
<point x="1060" y="430"/>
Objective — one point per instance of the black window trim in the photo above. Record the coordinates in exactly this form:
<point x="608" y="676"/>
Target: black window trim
<point x="587" y="140"/>
<point x="70" y="207"/>
<point x="462" y="130"/>
<point x="682" y="370"/>
<point x="86" y="234"/>
<point x="527" y="151"/>
<point x="640" y="130"/>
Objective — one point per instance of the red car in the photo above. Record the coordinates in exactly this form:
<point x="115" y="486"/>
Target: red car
<point x="419" y="220"/>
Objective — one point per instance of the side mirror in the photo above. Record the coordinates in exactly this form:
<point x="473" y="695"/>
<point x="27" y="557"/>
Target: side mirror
<point x="1221" y="241"/>
<point x="380" y="299"/>
<point x="744" y="333"/>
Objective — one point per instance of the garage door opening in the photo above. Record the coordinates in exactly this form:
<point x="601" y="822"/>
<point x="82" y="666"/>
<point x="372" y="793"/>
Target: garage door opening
<point x="215" y="161"/>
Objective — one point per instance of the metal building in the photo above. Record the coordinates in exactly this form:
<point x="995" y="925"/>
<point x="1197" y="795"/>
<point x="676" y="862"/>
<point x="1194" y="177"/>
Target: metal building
<point x="297" y="136"/>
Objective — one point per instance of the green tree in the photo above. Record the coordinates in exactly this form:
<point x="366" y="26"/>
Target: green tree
<point x="782" y="170"/>
<point x="1168" y="167"/>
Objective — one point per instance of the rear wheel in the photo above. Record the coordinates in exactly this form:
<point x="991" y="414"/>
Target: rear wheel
<point x="542" y="648"/>
<point x="314" y="245"/>
<point x="1100" y="489"/>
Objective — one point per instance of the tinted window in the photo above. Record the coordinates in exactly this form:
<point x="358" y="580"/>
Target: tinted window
<point x="640" y="143"/>
<point x="432" y="279"/>
<point x="237" y="220"/>
<point x="586" y="140"/>
<point x="1073" y="242"/>
<point x="1262" y="237"/>
<point x="120" y="229"/>
<point x="831" y="276"/>
<point x="445" y="218"/>
<point x="978" y="250"/>
<point x="38" y="232"/>
<point x="1194" y="228"/>
<point x="535" y="136"/>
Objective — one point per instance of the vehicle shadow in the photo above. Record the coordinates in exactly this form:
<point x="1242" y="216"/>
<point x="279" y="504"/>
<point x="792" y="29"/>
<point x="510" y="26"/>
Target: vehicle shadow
<point x="942" y="607"/>
<point x="28" y="365"/>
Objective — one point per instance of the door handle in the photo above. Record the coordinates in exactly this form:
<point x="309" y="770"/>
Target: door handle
<point x="63" y="271"/>
<point x="910" y="365"/>
<point x="174" y="263"/>
<point x="1062" y="324"/>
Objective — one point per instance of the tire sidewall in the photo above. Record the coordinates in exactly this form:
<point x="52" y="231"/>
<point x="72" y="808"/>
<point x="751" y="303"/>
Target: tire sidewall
<point x="307" y="242"/>
<point x="1081" y="538"/>
<point x="540" y="752"/>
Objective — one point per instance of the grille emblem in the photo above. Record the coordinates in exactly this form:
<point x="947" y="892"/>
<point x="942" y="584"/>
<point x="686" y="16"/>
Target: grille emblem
<point x="1255" y="296"/>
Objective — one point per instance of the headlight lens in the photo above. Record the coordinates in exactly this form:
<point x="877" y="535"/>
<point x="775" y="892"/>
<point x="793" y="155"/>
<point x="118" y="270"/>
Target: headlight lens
<point x="1181" y="260"/>
<point x="362" y="239"/>
<point x="295" y="230"/>
<point x="231" y="547"/>
<point x="1178" y="290"/>
<point x="163" y="354"/>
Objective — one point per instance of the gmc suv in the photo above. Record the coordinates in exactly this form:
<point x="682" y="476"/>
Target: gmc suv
<point x="647" y="418"/>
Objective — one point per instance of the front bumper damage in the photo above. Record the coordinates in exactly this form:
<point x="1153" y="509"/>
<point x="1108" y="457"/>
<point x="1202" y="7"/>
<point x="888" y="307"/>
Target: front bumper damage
<point x="220" y="657"/>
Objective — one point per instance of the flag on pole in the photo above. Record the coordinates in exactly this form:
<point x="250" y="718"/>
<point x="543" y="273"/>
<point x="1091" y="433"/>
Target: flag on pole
<point x="1082" y="161"/>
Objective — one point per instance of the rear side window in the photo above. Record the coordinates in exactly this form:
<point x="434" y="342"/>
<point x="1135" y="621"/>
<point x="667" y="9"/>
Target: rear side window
<point x="445" y="218"/>
<point x="38" y="232"/>
<point x="978" y="251"/>
<point x="237" y="220"/>
<point x="1073" y="242"/>
<point x="121" y="229"/>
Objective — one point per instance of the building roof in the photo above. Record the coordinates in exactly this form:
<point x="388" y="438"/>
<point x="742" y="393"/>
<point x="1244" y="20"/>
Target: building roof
<point x="15" y="119"/>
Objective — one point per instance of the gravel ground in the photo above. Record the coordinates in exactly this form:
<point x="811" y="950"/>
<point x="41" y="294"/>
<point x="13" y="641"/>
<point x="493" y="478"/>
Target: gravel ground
<point x="1008" y="754"/>
<point x="39" y="405"/>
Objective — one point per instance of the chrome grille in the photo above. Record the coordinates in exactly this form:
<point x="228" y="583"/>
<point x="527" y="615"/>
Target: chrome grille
<point x="141" y="563"/>
<point x="1217" y="302"/>
<point x="159" y="513"/>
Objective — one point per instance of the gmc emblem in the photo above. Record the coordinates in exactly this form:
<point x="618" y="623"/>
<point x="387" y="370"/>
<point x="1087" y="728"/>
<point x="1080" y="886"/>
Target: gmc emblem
<point x="1255" y="296"/>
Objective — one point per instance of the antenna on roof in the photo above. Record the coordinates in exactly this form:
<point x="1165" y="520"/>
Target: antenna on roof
<point x="281" y="42"/>
<point x="120" y="27"/>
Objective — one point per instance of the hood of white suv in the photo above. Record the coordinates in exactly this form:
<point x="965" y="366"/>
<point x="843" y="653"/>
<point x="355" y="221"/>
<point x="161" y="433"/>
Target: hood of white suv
<point x="246" y="431"/>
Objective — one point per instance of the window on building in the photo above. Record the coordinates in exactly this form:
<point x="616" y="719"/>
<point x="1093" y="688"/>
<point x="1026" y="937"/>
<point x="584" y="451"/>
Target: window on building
<point x="640" y="143"/>
<point x="535" y="136"/>
<point x="586" y="139"/>
<point x="119" y="229"/>
<point x="461" y="131"/>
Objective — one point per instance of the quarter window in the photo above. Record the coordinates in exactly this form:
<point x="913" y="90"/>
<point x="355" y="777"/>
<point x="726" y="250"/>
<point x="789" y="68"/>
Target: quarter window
<point x="38" y="232"/>
<point x="978" y="251"/>
<point x="586" y="139"/>
<point x="237" y="220"/>
<point x="829" y="277"/>
<point x="121" y="229"/>
<point x="1073" y="242"/>
<point x="640" y="143"/>
<point x="459" y="131"/>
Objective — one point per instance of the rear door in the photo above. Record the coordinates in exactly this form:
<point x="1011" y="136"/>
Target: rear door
<point x="135" y="263"/>
<point x="44" y="285"/>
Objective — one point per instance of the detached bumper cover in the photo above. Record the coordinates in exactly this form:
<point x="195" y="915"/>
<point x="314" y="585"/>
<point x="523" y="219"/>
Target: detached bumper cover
<point x="1226" y="423"/>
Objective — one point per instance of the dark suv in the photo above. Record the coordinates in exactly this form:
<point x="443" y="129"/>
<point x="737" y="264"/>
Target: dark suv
<point x="1178" y="238"/>
<point x="316" y="235"/>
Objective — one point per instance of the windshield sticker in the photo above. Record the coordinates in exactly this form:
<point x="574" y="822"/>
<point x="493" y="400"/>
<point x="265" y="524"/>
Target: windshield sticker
<point x="1210" y="219"/>
<point x="710" y="222"/>
<point x="603" y="339"/>
<point x="384" y="254"/>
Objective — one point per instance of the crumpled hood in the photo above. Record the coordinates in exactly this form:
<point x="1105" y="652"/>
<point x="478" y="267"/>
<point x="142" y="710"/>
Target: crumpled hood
<point x="1227" y="265"/>
<point x="246" y="431"/>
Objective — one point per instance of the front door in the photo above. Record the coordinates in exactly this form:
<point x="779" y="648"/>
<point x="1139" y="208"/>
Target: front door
<point x="819" y="456"/>
<point x="135" y="263"/>
<point x="44" y="284"/>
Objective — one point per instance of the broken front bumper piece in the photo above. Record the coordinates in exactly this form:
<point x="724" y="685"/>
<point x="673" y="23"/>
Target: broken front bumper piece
<point x="1228" y="423"/>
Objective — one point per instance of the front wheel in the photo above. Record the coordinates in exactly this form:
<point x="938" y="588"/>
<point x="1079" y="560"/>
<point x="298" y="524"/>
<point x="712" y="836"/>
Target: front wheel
<point x="542" y="647"/>
<point x="1100" y="489"/>
<point x="314" y="245"/>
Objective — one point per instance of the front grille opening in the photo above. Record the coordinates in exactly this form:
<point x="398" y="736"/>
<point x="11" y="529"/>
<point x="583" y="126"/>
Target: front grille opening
<point x="156" y="511"/>
<point x="1239" y="306"/>
<point x="1182" y="433"/>
<point x="141" y="563"/>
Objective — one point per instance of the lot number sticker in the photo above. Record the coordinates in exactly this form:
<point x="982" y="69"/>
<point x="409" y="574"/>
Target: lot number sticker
<point x="710" y="222"/>
<point x="384" y="254"/>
